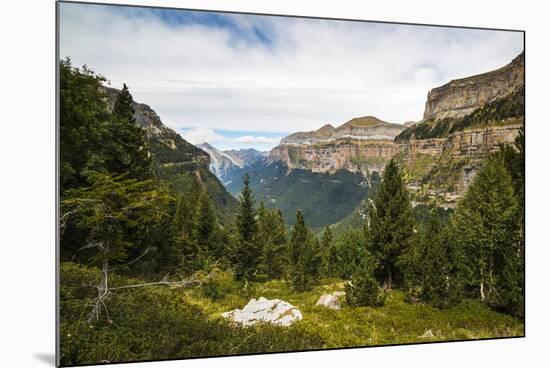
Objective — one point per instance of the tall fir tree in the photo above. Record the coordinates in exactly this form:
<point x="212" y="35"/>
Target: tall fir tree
<point x="273" y="236"/>
<point x="83" y="117"/>
<point x="326" y="251"/>
<point x="205" y="230"/>
<point x="363" y="289"/>
<point x="391" y="221"/>
<point x="305" y="255"/>
<point x="432" y="265"/>
<point x="485" y="226"/>
<point x="126" y="149"/>
<point x="248" y="248"/>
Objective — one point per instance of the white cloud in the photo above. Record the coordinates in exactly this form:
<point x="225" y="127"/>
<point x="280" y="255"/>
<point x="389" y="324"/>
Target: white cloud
<point x="208" y="135"/>
<point x="315" y="72"/>
<point x="201" y="135"/>
<point x="257" y="140"/>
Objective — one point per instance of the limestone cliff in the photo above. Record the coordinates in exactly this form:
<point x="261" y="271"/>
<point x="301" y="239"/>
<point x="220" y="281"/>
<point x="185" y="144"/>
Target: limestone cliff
<point x="360" y="145"/>
<point x="462" y="96"/>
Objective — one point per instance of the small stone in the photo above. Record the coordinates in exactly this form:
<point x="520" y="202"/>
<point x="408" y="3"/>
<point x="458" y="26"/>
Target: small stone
<point x="427" y="335"/>
<point x="329" y="301"/>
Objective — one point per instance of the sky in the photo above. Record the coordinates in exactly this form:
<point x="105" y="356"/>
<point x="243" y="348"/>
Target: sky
<point x="246" y="81"/>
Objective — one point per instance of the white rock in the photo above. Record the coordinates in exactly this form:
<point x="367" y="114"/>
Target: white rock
<point x="330" y="301"/>
<point x="339" y="293"/>
<point x="274" y="311"/>
<point x="428" y="334"/>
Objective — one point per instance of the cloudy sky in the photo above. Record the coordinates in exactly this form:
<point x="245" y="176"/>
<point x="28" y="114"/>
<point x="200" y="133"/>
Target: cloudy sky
<point x="240" y="81"/>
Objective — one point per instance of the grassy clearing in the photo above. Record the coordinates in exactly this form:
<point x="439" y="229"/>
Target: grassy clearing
<point x="396" y="322"/>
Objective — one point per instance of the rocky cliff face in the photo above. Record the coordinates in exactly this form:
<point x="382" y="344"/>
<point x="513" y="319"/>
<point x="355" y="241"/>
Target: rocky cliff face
<point x="177" y="162"/>
<point x="462" y="96"/>
<point x="168" y="147"/>
<point x="360" y="145"/>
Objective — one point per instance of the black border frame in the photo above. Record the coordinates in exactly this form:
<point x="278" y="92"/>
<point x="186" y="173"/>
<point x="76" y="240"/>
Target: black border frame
<point x="57" y="179"/>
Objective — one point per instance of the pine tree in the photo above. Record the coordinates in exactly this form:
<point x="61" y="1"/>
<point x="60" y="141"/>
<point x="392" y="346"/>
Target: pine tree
<point x="485" y="226"/>
<point x="432" y="264"/>
<point x="273" y="236"/>
<point x="83" y="117"/>
<point x="326" y="250"/>
<point x="391" y="224"/>
<point x="305" y="255"/>
<point x="126" y="149"/>
<point x="351" y="248"/>
<point x="363" y="289"/>
<point x="184" y="229"/>
<point x="205" y="229"/>
<point x="248" y="249"/>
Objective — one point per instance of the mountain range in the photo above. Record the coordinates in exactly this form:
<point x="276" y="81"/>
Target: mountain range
<point x="328" y="172"/>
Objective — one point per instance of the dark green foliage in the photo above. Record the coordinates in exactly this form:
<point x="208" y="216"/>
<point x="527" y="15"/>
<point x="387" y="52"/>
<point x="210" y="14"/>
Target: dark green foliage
<point x="391" y="222"/>
<point x="273" y="236"/>
<point x="432" y="264"/>
<point x="328" y="255"/>
<point x="508" y="107"/>
<point x="126" y="150"/>
<point x="206" y="230"/>
<point x="305" y="256"/>
<point x="487" y="230"/>
<point x="323" y="198"/>
<point x="92" y="138"/>
<point x="155" y="323"/>
<point x="83" y="117"/>
<point x="115" y="217"/>
<point x="248" y="249"/>
<point x="350" y="249"/>
<point x="364" y="289"/>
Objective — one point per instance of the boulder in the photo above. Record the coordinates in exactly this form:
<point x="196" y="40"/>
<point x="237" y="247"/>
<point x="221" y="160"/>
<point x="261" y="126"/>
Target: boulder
<point x="329" y="301"/>
<point x="273" y="311"/>
<point x="339" y="293"/>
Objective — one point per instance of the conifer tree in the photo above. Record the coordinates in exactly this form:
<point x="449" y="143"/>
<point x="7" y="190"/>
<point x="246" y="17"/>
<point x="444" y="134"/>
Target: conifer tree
<point x="205" y="229"/>
<point x="305" y="255"/>
<point x="184" y="230"/>
<point x="126" y="148"/>
<point x="432" y="264"/>
<point x="248" y="250"/>
<point x="326" y="250"/>
<point x="363" y="289"/>
<point x="273" y="236"/>
<point x="485" y="226"/>
<point x="391" y="224"/>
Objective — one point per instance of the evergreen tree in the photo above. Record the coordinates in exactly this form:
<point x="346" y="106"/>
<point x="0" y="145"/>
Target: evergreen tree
<point x="83" y="116"/>
<point x="125" y="147"/>
<point x="184" y="230"/>
<point x="248" y="249"/>
<point x="485" y="226"/>
<point x="364" y="289"/>
<point x="351" y="248"/>
<point x="326" y="251"/>
<point x="431" y="264"/>
<point x="205" y="229"/>
<point x="273" y="235"/>
<point x="305" y="255"/>
<point x="391" y="224"/>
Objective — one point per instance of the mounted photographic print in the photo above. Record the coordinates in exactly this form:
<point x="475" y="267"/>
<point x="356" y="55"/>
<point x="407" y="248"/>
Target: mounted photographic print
<point x="235" y="184"/>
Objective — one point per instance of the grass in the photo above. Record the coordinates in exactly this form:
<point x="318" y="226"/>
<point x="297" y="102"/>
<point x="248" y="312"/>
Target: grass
<point x="158" y="322"/>
<point x="396" y="322"/>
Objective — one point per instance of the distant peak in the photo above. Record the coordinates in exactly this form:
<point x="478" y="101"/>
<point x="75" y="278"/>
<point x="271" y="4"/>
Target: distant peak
<point x="364" y="121"/>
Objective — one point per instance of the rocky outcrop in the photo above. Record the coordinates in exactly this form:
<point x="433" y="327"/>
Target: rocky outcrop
<point x="360" y="145"/>
<point x="273" y="311"/>
<point x="363" y="128"/>
<point x="462" y="96"/>
<point x="168" y="147"/>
